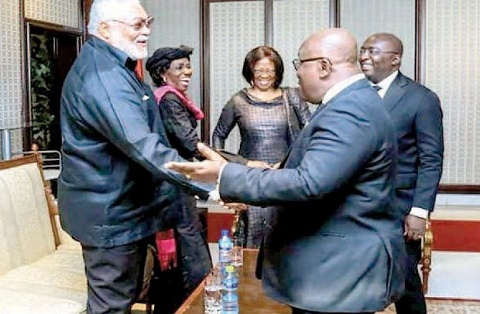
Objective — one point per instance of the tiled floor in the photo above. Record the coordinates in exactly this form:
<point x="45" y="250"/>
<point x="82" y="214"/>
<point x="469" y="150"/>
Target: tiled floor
<point x="455" y="275"/>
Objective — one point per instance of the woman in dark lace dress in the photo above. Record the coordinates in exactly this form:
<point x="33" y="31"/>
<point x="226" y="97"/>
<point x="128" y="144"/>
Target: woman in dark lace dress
<point x="269" y="118"/>
<point x="171" y="71"/>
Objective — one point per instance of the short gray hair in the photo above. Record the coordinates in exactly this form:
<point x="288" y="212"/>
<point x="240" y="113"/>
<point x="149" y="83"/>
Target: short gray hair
<point x="103" y="10"/>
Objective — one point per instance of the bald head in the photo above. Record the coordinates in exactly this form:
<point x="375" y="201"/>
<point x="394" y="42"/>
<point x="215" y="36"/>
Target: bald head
<point x="325" y="59"/>
<point x="380" y="56"/>
<point x="338" y="44"/>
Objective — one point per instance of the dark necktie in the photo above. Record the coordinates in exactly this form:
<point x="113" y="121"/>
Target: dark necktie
<point x="377" y="88"/>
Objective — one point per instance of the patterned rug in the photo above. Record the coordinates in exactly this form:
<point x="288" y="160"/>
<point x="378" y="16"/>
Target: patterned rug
<point x="437" y="306"/>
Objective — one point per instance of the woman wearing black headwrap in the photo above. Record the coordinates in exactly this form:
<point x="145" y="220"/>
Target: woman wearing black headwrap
<point x="171" y="71"/>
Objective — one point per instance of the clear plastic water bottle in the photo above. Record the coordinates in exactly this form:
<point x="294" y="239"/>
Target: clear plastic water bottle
<point x="225" y="245"/>
<point x="230" y="291"/>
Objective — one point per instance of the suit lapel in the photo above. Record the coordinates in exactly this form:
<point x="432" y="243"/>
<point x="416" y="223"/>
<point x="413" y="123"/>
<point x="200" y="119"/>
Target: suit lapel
<point x="395" y="92"/>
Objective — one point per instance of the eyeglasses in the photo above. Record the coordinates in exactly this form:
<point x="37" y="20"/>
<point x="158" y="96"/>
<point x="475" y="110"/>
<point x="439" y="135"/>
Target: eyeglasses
<point x="298" y="62"/>
<point x="264" y="71"/>
<point x="138" y="24"/>
<point x="374" y="51"/>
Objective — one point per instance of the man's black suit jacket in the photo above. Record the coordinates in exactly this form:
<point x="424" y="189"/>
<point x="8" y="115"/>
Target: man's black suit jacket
<point x="417" y="116"/>
<point x="335" y="243"/>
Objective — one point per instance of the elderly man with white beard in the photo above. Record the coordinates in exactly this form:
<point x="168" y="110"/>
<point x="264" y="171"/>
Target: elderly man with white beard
<point x="113" y="186"/>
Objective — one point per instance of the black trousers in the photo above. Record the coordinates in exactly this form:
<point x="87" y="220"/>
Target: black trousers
<point x="413" y="301"/>
<point x="299" y="311"/>
<point x="114" y="276"/>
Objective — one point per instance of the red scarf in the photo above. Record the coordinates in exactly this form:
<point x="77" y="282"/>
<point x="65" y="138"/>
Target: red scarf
<point x="166" y="249"/>
<point x="161" y="91"/>
<point x="165" y="240"/>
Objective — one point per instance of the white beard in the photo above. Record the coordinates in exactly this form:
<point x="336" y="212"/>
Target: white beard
<point x="130" y="48"/>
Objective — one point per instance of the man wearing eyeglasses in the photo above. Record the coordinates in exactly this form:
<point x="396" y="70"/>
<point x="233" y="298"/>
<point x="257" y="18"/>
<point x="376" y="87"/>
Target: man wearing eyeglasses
<point x="113" y="186"/>
<point x="417" y="116"/>
<point x="334" y="244"/>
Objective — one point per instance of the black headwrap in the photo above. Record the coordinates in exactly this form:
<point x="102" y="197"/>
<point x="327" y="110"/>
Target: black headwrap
<point x="160" y="61"/>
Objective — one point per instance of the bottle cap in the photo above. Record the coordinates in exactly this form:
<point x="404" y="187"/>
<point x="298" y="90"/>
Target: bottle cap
<point x="224" y="232"/>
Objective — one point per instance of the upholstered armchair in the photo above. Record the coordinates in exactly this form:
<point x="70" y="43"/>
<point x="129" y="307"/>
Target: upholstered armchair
<point x="40" y="271"/>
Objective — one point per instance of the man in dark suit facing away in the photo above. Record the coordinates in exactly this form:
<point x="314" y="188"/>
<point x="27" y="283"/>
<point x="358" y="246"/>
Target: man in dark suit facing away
<point x="334" y="244"/>
<point x="417" y="116"/>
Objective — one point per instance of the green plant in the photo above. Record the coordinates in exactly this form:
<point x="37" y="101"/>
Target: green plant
<point x="41" y="80"/>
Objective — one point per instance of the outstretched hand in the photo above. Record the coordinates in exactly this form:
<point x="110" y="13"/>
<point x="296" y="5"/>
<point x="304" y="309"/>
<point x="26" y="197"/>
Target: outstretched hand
<point x="205" y="171"/>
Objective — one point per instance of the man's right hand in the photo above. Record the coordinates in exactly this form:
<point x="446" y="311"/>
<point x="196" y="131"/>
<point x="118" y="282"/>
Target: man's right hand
<point x="205" y="171"/>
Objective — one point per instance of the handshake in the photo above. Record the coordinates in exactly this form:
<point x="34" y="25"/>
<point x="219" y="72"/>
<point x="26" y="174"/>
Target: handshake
<point x="210" y="170"/>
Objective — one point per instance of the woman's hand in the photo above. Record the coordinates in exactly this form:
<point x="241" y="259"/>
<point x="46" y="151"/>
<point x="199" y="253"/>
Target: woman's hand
<point x="234" y="206"/>
<point x="209" y="153"/>
<point x="258" y="164"/>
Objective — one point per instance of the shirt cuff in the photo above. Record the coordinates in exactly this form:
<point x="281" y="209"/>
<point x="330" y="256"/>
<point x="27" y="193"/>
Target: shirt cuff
<point x="220" y="172"/>
<point x="419" y="212"/>
<point x="215" y="193"/>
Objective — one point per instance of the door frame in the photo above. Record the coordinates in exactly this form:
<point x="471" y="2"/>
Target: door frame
<point x="27" y="106"/>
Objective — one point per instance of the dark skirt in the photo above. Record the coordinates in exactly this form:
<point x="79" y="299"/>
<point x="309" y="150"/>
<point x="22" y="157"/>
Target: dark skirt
<point x="252" y="226"/>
